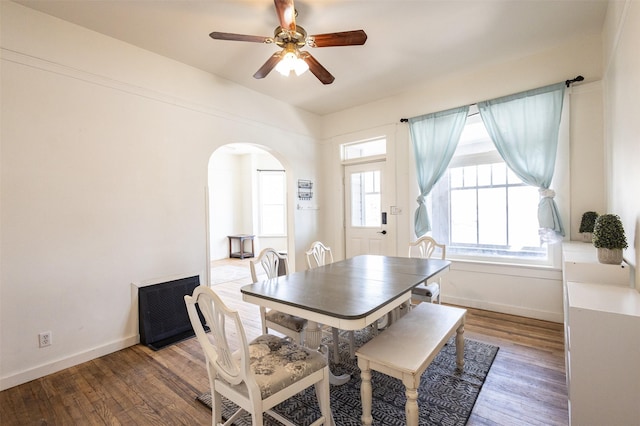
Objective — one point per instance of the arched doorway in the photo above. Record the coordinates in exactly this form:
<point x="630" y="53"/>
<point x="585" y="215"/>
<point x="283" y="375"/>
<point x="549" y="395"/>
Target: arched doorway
<point x="238" y="203"/>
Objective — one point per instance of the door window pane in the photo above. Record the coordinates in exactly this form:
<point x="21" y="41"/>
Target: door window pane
<point x="365" y="199"/>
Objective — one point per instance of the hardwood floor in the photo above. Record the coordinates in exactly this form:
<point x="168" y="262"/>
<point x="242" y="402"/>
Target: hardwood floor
<point x="139" y="386"/>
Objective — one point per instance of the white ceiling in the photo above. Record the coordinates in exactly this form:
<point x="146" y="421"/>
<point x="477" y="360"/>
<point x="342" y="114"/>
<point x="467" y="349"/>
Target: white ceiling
<point x="408" y="41"/>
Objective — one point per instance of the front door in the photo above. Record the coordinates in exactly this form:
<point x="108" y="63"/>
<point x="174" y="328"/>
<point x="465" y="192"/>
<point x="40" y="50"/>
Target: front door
<point x="366" y="214"/>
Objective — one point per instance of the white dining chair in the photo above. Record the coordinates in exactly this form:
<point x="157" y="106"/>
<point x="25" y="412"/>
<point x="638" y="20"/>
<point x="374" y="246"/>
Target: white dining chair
<point x="256" y="376"/>
<point x="425" y="247"/>
<point x="319" y="255"/>
<point x="274" y="264"/>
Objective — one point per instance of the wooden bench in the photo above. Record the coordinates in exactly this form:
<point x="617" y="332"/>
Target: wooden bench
<point x="405" y="350"/>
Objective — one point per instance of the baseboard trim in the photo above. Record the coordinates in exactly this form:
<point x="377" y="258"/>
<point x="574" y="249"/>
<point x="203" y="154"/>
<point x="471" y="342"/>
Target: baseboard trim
<point x="70" y="361"/>
<point x="505" y="309"/>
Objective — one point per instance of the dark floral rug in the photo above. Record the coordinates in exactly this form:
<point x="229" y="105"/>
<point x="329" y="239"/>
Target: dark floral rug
<point x="446" y="395"/>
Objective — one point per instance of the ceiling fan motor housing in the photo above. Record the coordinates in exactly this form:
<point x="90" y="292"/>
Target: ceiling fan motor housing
<point x="282" y="37"/>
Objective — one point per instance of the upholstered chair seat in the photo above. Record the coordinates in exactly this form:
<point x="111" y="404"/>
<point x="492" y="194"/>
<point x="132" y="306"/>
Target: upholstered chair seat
<point x="288" y="321"/>
<point x="277" y="363"/>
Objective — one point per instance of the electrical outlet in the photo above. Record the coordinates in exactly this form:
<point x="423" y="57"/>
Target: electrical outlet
<point x="44" y="339"/>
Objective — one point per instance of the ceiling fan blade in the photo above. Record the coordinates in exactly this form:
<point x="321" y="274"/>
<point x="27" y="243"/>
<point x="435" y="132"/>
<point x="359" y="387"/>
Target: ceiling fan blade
<point x="345" y="38"/>
<point x="317" y="69"/>
<point x="240" y="37"/>
<point x="268" y="66"/>
<point x="286" y="14"/>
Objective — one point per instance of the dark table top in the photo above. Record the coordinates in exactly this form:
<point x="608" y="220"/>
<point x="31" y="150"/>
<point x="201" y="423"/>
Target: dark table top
<point x="350" y="289"/>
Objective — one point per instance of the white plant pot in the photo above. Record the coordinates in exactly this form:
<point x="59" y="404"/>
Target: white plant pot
<point x="610" y="256"/>
<point x="587" y="237"/>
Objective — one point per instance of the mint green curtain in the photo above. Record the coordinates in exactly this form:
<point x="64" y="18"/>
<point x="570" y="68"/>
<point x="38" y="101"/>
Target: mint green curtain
<point x="435" y="138"/>
<point x="524" y="127"/>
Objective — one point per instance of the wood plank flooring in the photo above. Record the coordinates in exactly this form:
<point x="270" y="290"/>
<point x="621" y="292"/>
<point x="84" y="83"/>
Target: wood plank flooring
<point x="138" y="386"/>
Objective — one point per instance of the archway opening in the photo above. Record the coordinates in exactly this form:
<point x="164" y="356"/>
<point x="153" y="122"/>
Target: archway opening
<point x="247" y="195"/>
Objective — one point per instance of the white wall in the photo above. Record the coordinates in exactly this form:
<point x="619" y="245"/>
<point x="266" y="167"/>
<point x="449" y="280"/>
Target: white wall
<point x="524" y="291"/>
<point x="225" y="201"/>
<point x="105" y="151"/>
<point x="622" y="129"/>
<point x="587" y="160"/>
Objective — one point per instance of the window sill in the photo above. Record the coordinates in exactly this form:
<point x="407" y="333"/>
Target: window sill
<point x="506" y="268"/>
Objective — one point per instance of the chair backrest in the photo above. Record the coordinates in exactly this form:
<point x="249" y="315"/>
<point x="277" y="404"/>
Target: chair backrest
<point x="273" y="263"/>
<point x="318" y="255"/>
<point x="223" y="322"/>
<point x="425" y="246"/>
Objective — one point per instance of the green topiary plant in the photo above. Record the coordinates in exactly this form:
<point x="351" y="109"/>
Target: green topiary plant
<point x="588" y="221"/>
<point x="609" y="238"/>
<point x="609" y="233"/>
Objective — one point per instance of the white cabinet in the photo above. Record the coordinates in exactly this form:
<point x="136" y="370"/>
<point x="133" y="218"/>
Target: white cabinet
<point x="602" y="340"/>
<point x="581" y="265"/>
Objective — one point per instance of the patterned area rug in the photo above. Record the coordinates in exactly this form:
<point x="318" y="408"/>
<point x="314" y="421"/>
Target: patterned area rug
<point x="446" y="394"/>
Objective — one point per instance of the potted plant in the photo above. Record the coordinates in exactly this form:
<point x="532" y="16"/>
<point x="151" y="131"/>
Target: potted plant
<point x="587" y="224"/>
<point x="609" y="239"/>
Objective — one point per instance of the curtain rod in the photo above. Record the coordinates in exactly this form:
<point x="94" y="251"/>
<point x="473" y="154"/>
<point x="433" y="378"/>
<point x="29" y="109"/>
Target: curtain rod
<point x="567" y="82"/>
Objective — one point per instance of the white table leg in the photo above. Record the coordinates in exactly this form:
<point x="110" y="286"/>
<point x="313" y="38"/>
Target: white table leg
<point x="365" y="391"/>
<point x="312" y="340"/>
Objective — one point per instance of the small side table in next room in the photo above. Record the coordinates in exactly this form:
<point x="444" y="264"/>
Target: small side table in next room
<point x="241" y="253"/>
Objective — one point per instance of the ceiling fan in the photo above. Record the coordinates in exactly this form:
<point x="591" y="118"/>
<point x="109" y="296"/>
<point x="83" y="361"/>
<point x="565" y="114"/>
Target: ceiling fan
<point x="291" y="37"/>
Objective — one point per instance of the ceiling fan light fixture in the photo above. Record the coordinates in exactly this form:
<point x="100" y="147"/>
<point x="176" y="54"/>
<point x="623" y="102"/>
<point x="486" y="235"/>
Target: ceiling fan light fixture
<point x="300" y="67"/>
<point x="291" y="61"/>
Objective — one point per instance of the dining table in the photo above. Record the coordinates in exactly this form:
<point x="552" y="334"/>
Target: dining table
<point x="350" y="294"/>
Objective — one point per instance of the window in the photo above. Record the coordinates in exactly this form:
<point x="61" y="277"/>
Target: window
<point x="365" y="199"/>
<point x="480" y="208"/>
<point x="272" y="202"/>
<point x="364" y="149"/>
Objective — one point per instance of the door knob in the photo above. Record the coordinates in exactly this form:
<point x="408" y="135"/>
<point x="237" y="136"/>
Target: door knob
<point x="383" y="232"/>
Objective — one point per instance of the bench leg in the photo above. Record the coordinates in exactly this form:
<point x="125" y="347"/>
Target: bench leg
<point x="411" y="408"/>
<point x="460" y="346"/>
<point x="365" y="391"/>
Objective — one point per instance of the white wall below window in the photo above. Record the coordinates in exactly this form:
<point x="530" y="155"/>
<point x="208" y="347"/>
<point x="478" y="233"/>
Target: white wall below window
<point x="518" y="290"/>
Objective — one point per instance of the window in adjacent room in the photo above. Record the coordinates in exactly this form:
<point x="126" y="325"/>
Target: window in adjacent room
<point x="481" y="209"/>
<point x="272" y="202"/>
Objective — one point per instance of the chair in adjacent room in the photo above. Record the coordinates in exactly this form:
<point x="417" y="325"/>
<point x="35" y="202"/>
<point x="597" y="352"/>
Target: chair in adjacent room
<point x="319" y="255"/>
<point x="425" y="247"/>
<point x="258" y="375"/>
<point x="275" y="264"/>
